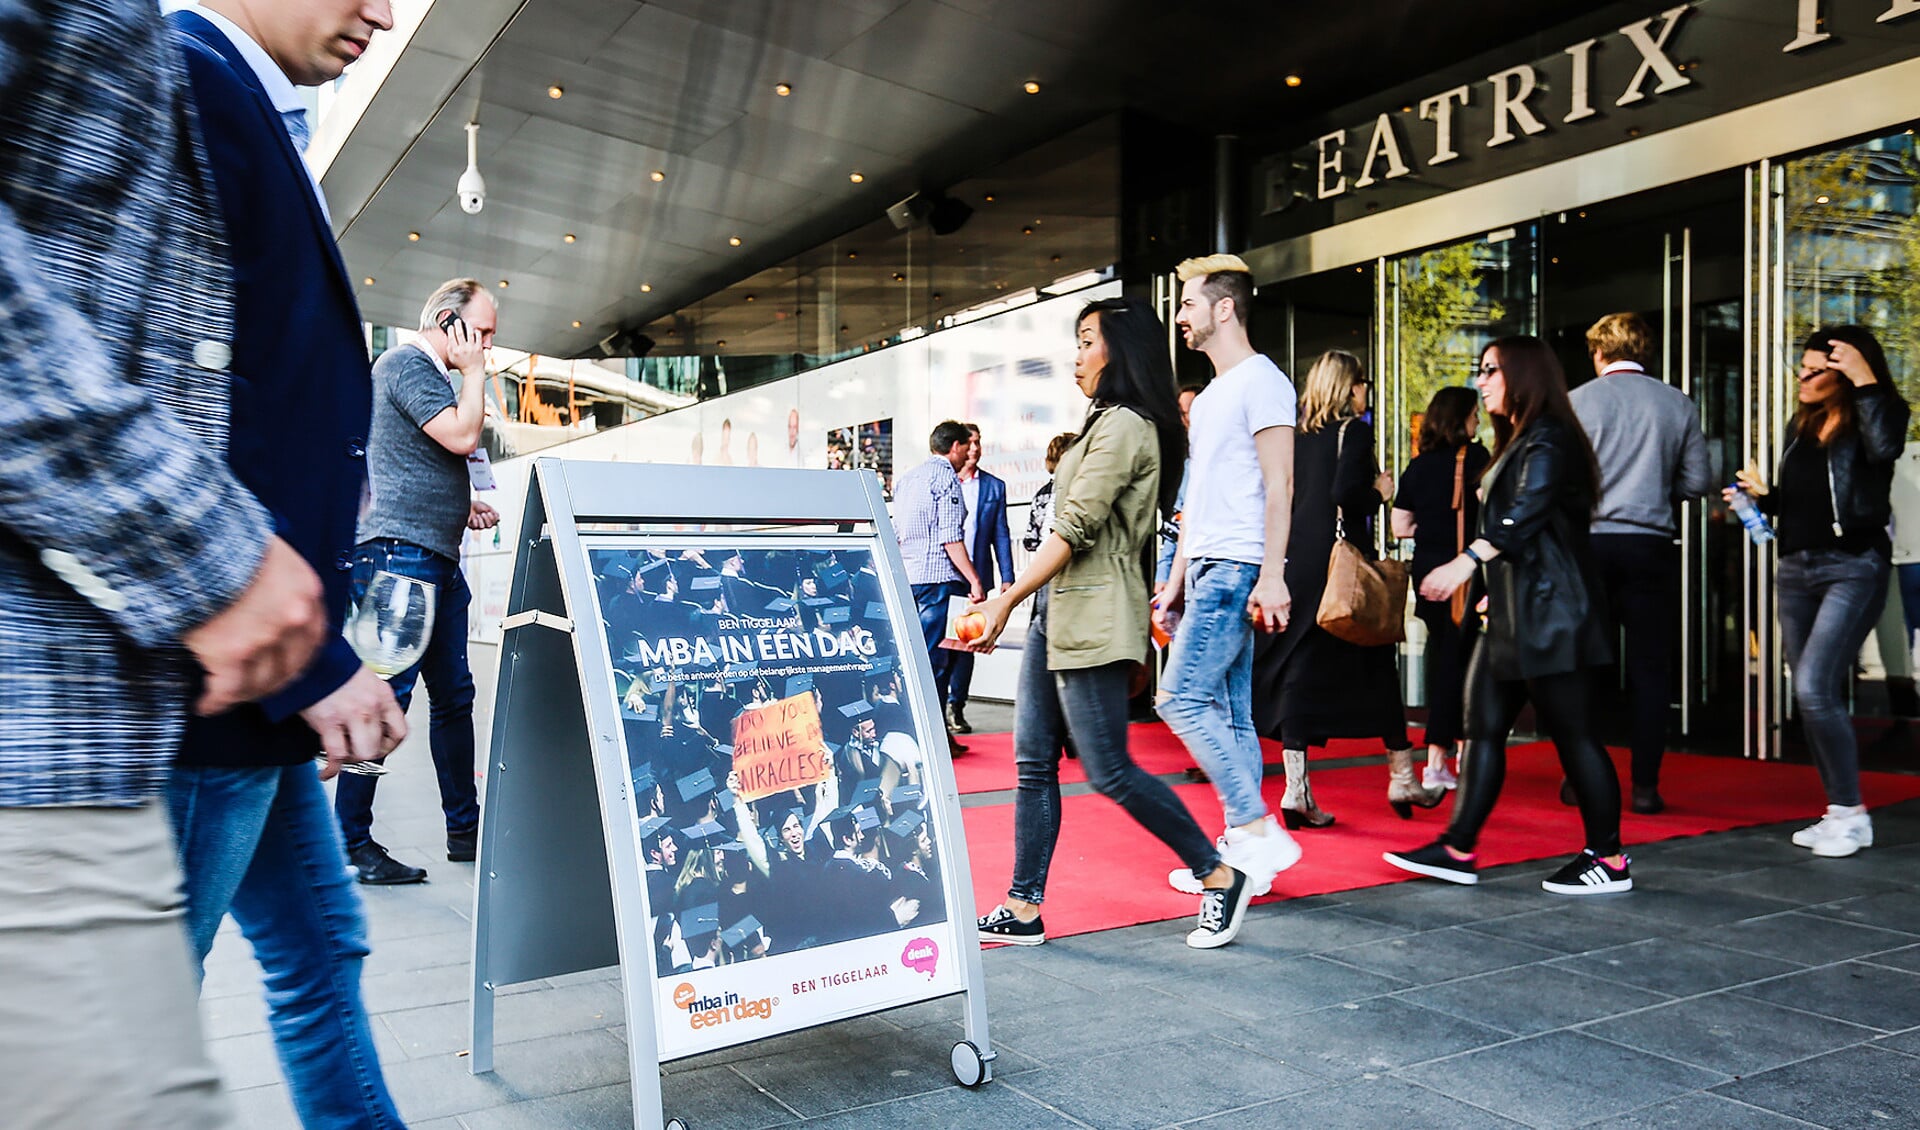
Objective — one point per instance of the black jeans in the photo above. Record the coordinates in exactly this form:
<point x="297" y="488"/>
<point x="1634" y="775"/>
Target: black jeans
<point x="1445" y="668"/>
<point x="1090" y="705"/>
<point x="1640" y="575"/>
<point x="1560" y="701"/>
<point x="1829" y="601"/>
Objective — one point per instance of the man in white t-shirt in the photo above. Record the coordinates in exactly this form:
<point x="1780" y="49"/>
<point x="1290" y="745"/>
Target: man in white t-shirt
<point x="1228" y="571"/>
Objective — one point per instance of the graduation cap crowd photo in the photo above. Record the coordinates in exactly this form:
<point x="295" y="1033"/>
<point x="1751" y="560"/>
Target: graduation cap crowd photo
<point x="777" y="771"/>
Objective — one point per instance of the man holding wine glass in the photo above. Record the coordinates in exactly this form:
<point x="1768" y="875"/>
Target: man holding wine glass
<point x="429" y="407"/>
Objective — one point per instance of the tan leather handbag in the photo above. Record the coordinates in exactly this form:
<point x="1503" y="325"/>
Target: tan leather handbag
<point x="1457" y="606"/>
<point x="1365" y="602"/>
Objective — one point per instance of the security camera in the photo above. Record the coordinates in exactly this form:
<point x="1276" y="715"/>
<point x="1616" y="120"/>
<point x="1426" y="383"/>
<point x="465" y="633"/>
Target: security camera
<point x="473" y="187"/>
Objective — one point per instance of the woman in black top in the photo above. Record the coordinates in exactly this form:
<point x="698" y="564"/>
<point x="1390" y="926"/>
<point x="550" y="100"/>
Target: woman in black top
<point x="1321" y="686"/>
<point x="1832" y="505"/>
<point x="1426" y="510"/>
<point x="1544" y="623"/>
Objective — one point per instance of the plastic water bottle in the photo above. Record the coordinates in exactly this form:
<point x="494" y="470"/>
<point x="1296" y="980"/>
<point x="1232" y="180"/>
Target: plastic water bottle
<point x="1759" y="530"/>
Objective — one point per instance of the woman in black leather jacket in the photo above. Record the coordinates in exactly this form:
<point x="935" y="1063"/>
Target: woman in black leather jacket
<point x="1543" y="623"/>
<point x="1832" y="501"/>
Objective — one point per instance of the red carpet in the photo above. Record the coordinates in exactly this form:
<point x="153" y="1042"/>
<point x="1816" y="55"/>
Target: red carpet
<point x="987" y="766"/>
<point x="1108" y="872"/>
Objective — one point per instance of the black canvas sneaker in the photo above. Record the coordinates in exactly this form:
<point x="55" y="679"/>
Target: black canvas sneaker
<point x="1003" y="925"/>
<point x="1221" y="914"/>
<point x="1435" y="862"/>
<point x="1588" y="874"/>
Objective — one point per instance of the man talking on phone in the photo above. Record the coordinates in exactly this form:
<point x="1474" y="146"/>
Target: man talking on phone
<point x="429" y="405"/>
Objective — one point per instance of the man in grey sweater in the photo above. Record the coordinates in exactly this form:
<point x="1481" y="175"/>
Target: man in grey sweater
<point x="1646" y="436"/>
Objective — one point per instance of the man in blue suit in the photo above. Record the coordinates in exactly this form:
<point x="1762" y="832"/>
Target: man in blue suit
<point x="256" y="833"/>
<point x="990" y="544"/>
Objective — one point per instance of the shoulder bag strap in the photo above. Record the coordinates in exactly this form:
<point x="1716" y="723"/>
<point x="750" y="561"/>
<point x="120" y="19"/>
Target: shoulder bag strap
<point x="1460" y="498"/>
<point x="1339" y="511"/>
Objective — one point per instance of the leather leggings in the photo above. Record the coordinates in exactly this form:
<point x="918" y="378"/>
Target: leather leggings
<point x="1560" y="702"/>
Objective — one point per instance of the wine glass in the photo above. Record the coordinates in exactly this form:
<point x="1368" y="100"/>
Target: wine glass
<point x="389" y="630"/>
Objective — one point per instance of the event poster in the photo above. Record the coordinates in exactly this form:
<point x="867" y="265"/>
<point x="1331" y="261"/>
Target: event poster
<point x="791" y="857"/>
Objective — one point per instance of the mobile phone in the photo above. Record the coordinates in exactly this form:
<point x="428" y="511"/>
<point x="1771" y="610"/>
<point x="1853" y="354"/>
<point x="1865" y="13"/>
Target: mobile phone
<point x="447" y="320"/>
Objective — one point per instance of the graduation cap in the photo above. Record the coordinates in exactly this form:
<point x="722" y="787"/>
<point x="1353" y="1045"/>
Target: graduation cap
<point x="875" y="611"/>
<point x="643" y="777"/>
<point x="792" y="812"/>
<point x="725" y="751"/>
<point x="907" y="825"/>
<point x="865" y="793"/>
<point x="725" y="797"/>
<point x="781" y="604"/>
<point x="701" y="833"/>
<point x="831" y="573"/>
<point x="856" y="710"/>
<point x="698" y="921"/>
<point x="817" y="601"/>
<point x="865" y="819"/>
<point x="881" y="665"/>
<point x="909" y="796"/>
<point x="840" y="615"/>
<point x="738" y="933"/>
<point x="695" y="784"/>
<point x="652" y="567"/>
<point x="651" y="826"/>
<point x="798" y="684"/>
<point x="702" y="584"/>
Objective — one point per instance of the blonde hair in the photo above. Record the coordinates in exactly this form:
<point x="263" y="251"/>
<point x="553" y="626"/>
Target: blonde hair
<point x="1226" y="276"/>
<point x="1622" y="337"/>
<point x="454" y="294"/>
<point x="1327" y="395"/>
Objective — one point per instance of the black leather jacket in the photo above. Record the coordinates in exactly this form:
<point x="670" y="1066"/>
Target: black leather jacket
<point x="1860" y="462"/>
<point x="1543" y="599"/>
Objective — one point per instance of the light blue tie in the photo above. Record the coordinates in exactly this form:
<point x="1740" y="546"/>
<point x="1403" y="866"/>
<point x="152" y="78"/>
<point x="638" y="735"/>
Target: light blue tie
<point x="297" y="129"/>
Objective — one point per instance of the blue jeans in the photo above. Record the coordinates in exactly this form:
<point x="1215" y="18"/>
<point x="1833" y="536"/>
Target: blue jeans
<point x="1829" y="601"/>
<point x="1206" y="695"/>
<point x="1090" y="706"/>
<point x="260" y="842"/>
<point x="449" y="690"/>
<point x="932" y="603"/>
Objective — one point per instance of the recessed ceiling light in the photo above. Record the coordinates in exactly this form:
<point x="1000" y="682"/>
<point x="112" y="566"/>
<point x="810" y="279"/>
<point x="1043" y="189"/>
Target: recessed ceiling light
<point x="898" y="277"/>
<point x="646" y="288"/>
<point x="368" y="280"/>
<point x="1031" y="87"/>
<point x="503" y="284"/>
<point x="568" y="238"/>
<point x="853" y="255"/>
<point x="413" y="237"/>
<point x="1293" y="80"/>
<point x="1026" y="231"/>
<point x="856" y="177"/>
<point x="783" y="88"/>
<point x="656" y="176"/>
<point x="576" y="323"/>
<point x="989" y="197"/>
<point x="1056" y="259"/>
<point x="733" y="241"/>
<point x="555" y="91"/>
<point x="1821" y="199"/>
<point x="936" y="296"/>
<point x="749" y="298"/>
<point x="721" y="344"/>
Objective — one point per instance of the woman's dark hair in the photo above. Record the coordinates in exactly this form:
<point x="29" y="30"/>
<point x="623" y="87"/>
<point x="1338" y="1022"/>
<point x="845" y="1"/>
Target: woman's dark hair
<point x="1139" y="375"/>
<point x="1536" y="388"/>
<point x="1445" y="422"/>
<point x="1834" y="415"/>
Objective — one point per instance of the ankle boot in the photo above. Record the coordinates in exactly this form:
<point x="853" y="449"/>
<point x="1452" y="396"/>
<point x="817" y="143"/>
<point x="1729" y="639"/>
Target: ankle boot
<point x="1297" y="809"/>
<point x="1403" y="789"/>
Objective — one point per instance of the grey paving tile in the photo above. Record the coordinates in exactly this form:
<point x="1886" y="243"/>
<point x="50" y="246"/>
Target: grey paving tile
<point x="717" y="1097"/>
<point x="264" y="1108"/>
<point x="399" y="918"/>
<point x="995" y="1104"/>
<point x="1531" y="998"/>
<point x="422" y="951"/>
<point x="1574" y="927"/>
<point x="1102" y="1024"/>
<point x="442" y="1028"/>
<point x="1260" y="991"/>
<point x="1193" y="1076"/>
<point x="1725" y="853"/>
<point x="1806" y="938"/>
<point x="440" y="1086"/>
<point x="1676" y="966"/>
<point x="1908" y="1042"/>
<point x="1700" y="1111"/>
<point x="235" y="1015"/>
<point x="1371" y="1102"/>
<point x="834" y="1072"/>
<point x="1857" y="992"/>
<point x="1418" y="906"/>
<point x="1315" y="931"/>
<point x="1439" y="955"/>
<point x="1731" y="1034"/>
<point x="1036" y="977"/>
<point x="1353" y="1039"/>
<point x="245" y="1061"/>
<point x="1687" y="907"/>
<point x="1852" y="1088"/>
<point x="1893" y="910"/>
<point x="1532" y="1080"/>
<point x="1815" y="881"/>
<point x="603" y="1108"/>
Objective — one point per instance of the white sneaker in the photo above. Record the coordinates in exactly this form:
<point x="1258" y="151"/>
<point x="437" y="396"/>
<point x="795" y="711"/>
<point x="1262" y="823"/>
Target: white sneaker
<point x="1843" y="836"/>
<point x="1821" y="829"/>
<point x="1260" y="858"/>
<point x="1181" y="878"/>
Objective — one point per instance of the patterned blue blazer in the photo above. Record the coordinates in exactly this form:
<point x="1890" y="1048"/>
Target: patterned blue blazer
<point x="120" y="524"/>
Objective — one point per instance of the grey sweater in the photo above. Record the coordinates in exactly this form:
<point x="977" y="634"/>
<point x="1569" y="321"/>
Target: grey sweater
<point x="1646" y="435"/>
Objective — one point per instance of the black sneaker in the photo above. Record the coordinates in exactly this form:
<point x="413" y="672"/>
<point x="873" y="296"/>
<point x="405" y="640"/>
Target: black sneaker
<point x="378" y="869"/>
<point x="463" y="846"/>
<point x="1436" y="862"/>
<point x="1588" y="874"/>
<point x="1002" y="925"/>
<point x="1221" y="914"/>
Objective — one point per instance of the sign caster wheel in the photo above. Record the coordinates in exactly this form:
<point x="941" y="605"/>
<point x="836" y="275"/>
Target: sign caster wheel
<point x="675" y="1124"/>
<point x="969" y="1066"/>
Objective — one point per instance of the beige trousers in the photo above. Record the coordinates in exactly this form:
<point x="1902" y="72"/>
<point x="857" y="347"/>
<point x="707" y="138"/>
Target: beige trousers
<point x="99" y="1014"/>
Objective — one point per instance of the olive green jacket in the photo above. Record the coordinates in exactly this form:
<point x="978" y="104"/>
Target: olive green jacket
<point x="1105" y="496"/>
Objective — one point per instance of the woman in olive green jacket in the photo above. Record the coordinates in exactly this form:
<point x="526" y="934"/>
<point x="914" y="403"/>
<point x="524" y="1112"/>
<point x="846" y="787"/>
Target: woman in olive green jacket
<point x="1089" y="626"/>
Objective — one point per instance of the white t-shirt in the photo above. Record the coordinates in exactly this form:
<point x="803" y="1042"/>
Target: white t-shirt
<point x="970" y="498"/>
<point x="1225" y="517"/>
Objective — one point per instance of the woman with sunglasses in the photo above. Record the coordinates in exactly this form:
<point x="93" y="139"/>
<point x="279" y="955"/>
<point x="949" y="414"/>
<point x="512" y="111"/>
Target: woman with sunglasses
<point x="1543" y="625"/>
<point x="1832" y="500"/>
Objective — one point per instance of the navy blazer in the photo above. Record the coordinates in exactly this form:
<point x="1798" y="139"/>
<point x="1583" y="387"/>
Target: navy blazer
<point x="992" y="541"/>
<point x="302" y="384"/>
